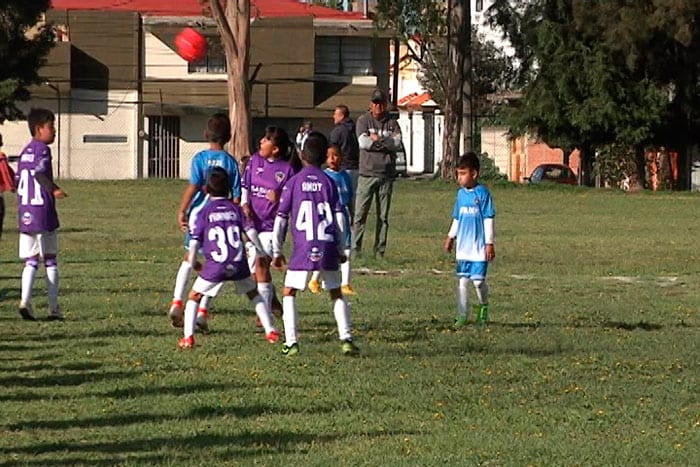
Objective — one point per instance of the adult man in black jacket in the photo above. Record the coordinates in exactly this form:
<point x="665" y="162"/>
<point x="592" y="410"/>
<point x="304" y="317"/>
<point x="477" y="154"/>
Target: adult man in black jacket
<point x="343" y="134"/>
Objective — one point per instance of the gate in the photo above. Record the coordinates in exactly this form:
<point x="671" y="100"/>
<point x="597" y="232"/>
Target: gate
<point x="163" y="147"/>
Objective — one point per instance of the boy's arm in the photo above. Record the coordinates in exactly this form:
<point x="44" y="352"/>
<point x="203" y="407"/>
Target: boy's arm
<point x="489" y="236"/>
<point x="252" y="235"/>
<point x="187" y="196"/>
<point x="449" y="241"/>
<point x="278" y="233"/>
<point x="192" y="252"/>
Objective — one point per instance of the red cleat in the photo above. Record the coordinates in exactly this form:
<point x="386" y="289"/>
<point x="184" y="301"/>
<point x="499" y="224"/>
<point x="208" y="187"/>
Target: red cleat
<point x="186" y="342"/>
<point x="273" y="336"/>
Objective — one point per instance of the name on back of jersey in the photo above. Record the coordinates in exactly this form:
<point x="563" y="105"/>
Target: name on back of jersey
<point x="311" y="186"/>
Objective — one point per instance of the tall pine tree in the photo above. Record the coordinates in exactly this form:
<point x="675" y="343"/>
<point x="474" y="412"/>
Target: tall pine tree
<point x="23" y="49"/>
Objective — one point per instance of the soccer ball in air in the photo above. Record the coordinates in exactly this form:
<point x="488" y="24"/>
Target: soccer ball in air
<point x="191" y="45"/>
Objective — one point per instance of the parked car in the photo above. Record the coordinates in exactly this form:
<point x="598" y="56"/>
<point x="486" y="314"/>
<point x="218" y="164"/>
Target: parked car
<point x="556" y="173"/>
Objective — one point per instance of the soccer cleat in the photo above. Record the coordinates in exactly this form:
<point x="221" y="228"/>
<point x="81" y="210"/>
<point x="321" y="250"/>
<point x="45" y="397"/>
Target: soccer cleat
<point x="349" y="348"/>
<point x="314" y="286"/>
<point x="26" y="312"/>
<point x="460" y="321"/>
<point x="186" y="342"/>
<point x="348" y="290"/>
<point x="175" y="314"/>
<point x="482" y="315"/>
<point x="202" y="321"/>
<point x="55" y="315"/>
<point x="273" y="336"/>
<point x="290" y="350"/>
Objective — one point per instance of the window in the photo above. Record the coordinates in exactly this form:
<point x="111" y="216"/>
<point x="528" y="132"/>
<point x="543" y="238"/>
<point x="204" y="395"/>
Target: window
<point x="213" y="62"/>
<point x="344" y="56"/>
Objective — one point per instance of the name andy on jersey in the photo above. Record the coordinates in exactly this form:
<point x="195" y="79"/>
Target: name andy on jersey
<point x="311" y="186"/>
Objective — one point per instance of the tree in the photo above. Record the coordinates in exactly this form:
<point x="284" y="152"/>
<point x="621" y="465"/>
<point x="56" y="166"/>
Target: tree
<point x="422" y="26"/>
<point x="23" y="50"/>
<point x="600" y="73"/>
<point x="233" y="23"/>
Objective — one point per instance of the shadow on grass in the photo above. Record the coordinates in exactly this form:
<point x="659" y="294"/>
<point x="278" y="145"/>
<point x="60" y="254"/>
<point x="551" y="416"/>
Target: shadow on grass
<point x="187" y="448"/>
<point x="63" y="380"/>
<point x="644" y="326"/>
<point x="82" y="366"/>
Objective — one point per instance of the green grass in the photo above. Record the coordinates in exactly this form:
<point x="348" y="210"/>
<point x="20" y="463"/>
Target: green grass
<point x="592" y="356"/>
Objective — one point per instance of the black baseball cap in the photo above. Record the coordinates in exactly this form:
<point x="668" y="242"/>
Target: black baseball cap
<point x="378" y="96"/>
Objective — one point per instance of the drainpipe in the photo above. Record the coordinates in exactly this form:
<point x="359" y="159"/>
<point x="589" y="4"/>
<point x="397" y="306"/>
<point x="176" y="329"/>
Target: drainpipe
<point x="58" y="130"/>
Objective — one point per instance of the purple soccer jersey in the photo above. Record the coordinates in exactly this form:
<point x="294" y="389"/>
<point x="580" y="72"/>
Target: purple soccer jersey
<point x="260" y="177"/>
<point x="36" y="205"/>
<point x="310" y="201"/>
<point x="218" y="227"/>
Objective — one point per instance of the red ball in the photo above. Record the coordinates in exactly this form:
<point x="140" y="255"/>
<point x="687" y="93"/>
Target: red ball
<point x="191" y="45"/>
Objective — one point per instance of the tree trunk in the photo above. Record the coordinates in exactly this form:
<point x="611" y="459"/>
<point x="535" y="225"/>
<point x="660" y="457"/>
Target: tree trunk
<point x="465" y="43"/>
<point x="453" y="93"/>
<point x="233" y="24"/>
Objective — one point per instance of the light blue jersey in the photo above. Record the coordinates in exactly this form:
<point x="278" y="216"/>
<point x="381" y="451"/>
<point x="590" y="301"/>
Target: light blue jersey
<point x="471" y="208"/>
<point x="344" y="183"/>
<point x="202" y="163"/>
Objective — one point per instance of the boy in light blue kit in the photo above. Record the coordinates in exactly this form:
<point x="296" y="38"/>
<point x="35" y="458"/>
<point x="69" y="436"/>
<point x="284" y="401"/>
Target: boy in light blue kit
<point x="473" y="227"/>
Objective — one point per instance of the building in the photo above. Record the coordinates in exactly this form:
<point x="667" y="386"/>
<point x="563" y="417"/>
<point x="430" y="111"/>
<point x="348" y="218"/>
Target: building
<point x="128" y="106"/>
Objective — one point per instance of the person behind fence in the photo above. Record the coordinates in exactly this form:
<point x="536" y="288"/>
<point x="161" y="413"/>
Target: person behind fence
<point x="217" y="133"/>
<point x="7" y="183"/>
<point x="36" y="212"/>
<point x="379" y="137"/>
<point x="473" y="229"/>
<point x="310" y="207"/>
<point x="218" y="229"/>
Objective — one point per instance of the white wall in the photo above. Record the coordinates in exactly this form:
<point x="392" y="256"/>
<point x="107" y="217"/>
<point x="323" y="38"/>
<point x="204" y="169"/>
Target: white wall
<point x="413" y="133"/>
<point x="162" y="62"/>
<point x="495" y="142"/>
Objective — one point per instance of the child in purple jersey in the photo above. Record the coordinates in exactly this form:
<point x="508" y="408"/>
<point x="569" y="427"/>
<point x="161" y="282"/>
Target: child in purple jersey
<point x="311" y="206"/>
<point x="343" y="181"/>
<point x="264" y="177"/>
<point x="218" y="230"/>
<point x="36" y="212"/>
<point x="218" y="133"/>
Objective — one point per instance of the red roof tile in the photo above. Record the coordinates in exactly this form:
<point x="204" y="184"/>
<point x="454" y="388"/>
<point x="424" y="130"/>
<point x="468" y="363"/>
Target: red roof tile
<point x="414" y="100"/>
<point x="262" y="8"/>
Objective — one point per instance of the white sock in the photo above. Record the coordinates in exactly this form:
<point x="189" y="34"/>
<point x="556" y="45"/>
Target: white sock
<point x="183" y="276"/>
<point x="315" y="275"/>
<point x="482" y="291"/>
<point x="345" y="269"/>
<point x="463" y="296"/>
<point x="342" y="318"/>
<point x="203" y="303"/>
<point x="266" y="290"/>
<point x="27" y="284"/>
<point x="263" y="312"/>
<point x="190" y="317"/>
<point x="52" y="286"/>
<point x="289" y="316"/>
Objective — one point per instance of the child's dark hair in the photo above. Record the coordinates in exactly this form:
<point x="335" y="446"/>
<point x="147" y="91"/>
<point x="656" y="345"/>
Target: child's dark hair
<point x="39" y="117"/>
<point x="218" y="183"/>
<point x="218" y="129"/>
<point x="315" y="149"/>
<point x="469" y="160"/>
<point x="288" y="152"/>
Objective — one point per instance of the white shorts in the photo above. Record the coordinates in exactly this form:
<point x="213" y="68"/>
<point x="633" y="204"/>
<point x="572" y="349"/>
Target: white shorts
<point x="266" y="241"/>
<point x="298" y="279"/>
<point x="211" y="289"/>
<point x="40" y="244"/>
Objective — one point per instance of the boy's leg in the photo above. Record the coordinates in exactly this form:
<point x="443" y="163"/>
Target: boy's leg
<point x="341" y="312"/>
<point x="293" y="281"/>
<point x="345" y="275"/>
<point x="315" y="282"/>
<point x="200" y="288"/>
<point x="462" y="302"/>
<point x="202" y="319"/>
<point x="51" y="265"/>
<point x="248" y="287"/>
<point x="482" y="293"/>
<point x="29" y="251"/>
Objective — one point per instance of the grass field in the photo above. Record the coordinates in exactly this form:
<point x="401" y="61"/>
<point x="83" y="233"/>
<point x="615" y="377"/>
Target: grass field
<point x="592" y="356"/>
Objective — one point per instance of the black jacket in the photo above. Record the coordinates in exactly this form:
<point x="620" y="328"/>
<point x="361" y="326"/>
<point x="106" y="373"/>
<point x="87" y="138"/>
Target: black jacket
<point x="343" y="134"/>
